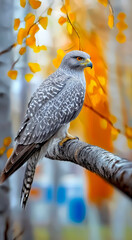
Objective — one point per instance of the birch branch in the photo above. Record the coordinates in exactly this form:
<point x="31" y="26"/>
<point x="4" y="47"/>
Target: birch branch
<point x="115" y="170"/>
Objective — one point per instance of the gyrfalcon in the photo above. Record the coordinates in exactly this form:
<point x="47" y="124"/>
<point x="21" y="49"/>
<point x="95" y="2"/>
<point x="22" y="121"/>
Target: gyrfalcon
<point x="56" y="102"/>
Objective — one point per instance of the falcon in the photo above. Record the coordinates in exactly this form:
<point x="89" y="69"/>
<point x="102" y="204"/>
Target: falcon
<point x="56" y="102"/>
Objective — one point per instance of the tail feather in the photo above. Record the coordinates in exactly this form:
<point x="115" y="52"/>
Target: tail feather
<point x="19" y="156"/>
<point x="28" y="178"/>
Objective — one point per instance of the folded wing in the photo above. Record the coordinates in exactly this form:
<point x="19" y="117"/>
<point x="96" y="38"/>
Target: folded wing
<point x="62" y="102"/>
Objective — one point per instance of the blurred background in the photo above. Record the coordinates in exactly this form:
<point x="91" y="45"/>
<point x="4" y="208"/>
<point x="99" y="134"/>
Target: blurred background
<point x="67" y="202"/>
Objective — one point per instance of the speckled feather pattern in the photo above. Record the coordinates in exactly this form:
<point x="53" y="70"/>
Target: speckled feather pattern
<point x="57" y="101"/>
<point x="28" y="178"/>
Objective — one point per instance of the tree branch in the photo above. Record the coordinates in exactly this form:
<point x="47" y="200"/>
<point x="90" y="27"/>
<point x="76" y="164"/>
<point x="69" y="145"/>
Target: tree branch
<point x="115" y="170"/>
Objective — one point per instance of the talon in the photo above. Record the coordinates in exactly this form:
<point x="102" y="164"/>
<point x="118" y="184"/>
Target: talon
<point x="68" y="137"/>
<point x="77" y="137"/>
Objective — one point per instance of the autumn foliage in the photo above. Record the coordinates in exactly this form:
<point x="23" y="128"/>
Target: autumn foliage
<point x="6" y="144"/>
<point x="95" y="120"/>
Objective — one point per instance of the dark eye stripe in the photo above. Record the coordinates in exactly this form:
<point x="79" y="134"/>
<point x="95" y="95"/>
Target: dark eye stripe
<point x="78" y="57"/>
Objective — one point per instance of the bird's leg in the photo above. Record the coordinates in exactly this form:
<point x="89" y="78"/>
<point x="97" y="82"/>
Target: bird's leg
<point x="68" y="137"/>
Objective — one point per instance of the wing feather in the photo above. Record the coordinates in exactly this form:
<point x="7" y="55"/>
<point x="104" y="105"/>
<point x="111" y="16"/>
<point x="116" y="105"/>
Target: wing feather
<point x="49" y="88"/>
<point x="57" y="111"/>
<point x="54" y="104"/>
<point x="19" y="156"/>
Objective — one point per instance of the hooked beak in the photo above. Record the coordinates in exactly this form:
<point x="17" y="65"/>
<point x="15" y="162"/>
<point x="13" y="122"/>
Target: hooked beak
<point x="87" y="63"/>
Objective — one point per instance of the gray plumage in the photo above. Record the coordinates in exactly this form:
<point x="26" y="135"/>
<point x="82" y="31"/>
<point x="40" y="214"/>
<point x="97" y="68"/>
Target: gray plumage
<point x="52" y="107"/>
<point x="64" y="99"/>
<point x="28" y="177"/>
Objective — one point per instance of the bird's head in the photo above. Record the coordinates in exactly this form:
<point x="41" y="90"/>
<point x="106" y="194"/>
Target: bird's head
<point x="77" y="60"/>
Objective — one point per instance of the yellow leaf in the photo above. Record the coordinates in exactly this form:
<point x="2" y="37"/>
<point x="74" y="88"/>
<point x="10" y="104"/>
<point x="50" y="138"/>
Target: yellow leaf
<point x="110" y="17"/>
<point x="62" y="20"/>
<point x="29" y="21"/>
<point x="28" y="77"/>
<point x="113" y="119"/>
<point x="101" y="91"/>
<point x="37" y="49"/>
<point x="121" y="16"/>
<point x="104" y="2"/>
<point x="69" y="28"/>
<point x="111" y="21"/>
<point x="34" y="67"/>
<point x="114" y="134"/>
<point x="16" y="23"/>
<point x="28" y="16"/>
<point x="128" y="132"/>
<point x="21" y="35"/>
<point x="90" y="71"/>
<point x="2" y="150"/>
<point x="67" y="2"/>
<point x="30" y="41"/>
<point x="23" y="3"/>
<point x="121" y="26"/>
<point x="129" y="142"/>
<point x="22" y="50"/>
<point x="58" y="59"/>
<point x="34" y="3"/>
<point x="91" y="86"/>
<point x="95" y="98"/>
<point x="72" y="17"/>
<point x="42" y="48"/>
<point x="34" y="29"/>
<point x="103" y="123"/>
<point x="43" y="21"/>
<point x="49" y="11"/>
<point x="7" y="141"/>
<point x="61" y="53"/>
<point x="9" y="152"/>
<point x="63" y="9"/>
<point x="102" y="80"/>
<point x="67" y="5"/>
<point x="12" y="74"/>
<point x="121" y="38"/>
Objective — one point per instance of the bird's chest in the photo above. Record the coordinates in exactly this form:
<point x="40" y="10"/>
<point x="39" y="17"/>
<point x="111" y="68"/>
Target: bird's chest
<point x="83" y="81"/>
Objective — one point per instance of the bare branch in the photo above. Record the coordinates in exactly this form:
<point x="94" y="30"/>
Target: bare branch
<point x="7" y="49"/>
<point x="115" y="170"/>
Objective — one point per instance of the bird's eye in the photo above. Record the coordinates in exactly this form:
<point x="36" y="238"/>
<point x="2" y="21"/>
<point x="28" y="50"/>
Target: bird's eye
<point x="79" y="58"/>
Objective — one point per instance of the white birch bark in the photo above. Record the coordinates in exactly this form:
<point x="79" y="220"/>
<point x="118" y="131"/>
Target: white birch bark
<point x="6" y="39"/>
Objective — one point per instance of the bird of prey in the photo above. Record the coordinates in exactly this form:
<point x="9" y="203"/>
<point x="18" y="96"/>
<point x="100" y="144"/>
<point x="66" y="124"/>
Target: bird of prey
<point x="56" y="102"/>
